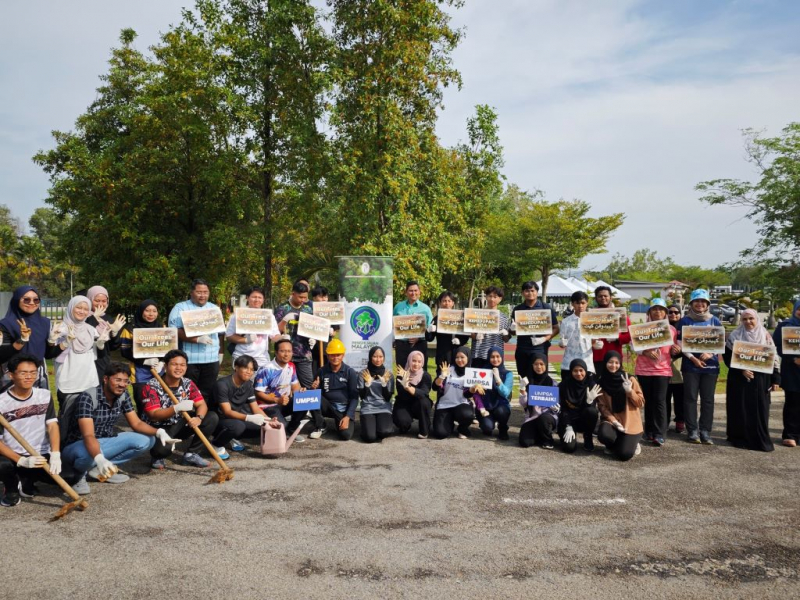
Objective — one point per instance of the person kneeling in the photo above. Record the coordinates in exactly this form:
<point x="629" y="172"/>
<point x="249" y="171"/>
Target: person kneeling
<point x="339" y="384"/>
<point x="620" y="405"/>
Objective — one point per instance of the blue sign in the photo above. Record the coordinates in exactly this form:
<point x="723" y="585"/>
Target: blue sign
<point x="308" y="400"/>
<point x="541" y="395"/>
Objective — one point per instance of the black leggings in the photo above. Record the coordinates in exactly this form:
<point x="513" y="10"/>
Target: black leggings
<point x="444" y="420"/>
<point x="675" y="398"/>
<point x="583" y="420"/>
<point x="500" y="415"/>
<point x="538" y="432"/>
<point x="182" y="430"/>
<point x="376" y="426"/>
<point x="791" y="416"/>
<point x="329" y="411"/>
<point x="404" y="413"/>
<point x="623" y="445"/>
<point x="656" y="418"/>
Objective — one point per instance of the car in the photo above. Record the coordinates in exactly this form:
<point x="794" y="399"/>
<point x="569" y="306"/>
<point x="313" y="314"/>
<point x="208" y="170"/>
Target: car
<point x="721" y="313"/>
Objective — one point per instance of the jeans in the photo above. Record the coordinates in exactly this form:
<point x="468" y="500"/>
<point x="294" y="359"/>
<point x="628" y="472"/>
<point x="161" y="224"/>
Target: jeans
<point x="702" y="385"/>
<point x="500" y="415"/>
<point x="119" y="449"/>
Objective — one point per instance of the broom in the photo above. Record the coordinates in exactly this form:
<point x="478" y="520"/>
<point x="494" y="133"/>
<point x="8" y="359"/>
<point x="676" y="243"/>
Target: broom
<point x="77" y="502"/>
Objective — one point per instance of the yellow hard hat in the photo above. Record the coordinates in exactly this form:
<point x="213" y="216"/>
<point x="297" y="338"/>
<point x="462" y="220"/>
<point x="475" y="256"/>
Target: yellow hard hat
<point x="335" y="346"/>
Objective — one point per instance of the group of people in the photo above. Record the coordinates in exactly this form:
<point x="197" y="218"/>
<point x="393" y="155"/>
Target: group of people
<point x="596" y="396"/>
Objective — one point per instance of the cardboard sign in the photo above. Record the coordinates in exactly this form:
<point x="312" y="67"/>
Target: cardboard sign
<point x="790" y="337"/>
<point x="621" y="311"/>
<point x="758" y="358"/>
<point x="409" y="326"/>
<point x="333" y="311"/>
<point x="652" y="335"/>
<point x="481" y="320"/>
<point x="703" y="339"/>
<point x="203" y="321"/>
<point x="478" y="377"/>
<point x="313" y="327"/>
<point x="542" y="395"/>
<point x="254" y="320"/>
<point x="154" y="342"/>
<point x="534" y="322"/>
<point x="308" y="400"/>
<point x="450" y="321"/>
<point x="598" y="325"/>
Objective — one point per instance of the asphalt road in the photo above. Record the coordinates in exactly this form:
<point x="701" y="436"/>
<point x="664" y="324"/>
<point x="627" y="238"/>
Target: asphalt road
<point x="410" y="518"/>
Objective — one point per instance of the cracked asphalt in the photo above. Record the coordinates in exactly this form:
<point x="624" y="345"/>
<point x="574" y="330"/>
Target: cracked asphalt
<point x="407" y="518"/>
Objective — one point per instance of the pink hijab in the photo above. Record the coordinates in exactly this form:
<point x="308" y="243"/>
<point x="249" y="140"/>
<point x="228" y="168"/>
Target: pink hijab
<point x="415" y="376"/>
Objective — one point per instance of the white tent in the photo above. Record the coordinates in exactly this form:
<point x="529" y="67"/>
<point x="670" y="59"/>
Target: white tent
<point x="556" y="286"/>
<point x="581" y="284"/>
<point x="617" y="293"/>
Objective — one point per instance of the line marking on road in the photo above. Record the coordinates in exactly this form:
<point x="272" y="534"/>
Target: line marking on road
<point x="564" y="501"/>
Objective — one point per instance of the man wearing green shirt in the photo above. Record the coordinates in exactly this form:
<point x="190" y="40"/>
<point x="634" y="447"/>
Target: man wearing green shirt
<point x="411" y="306"/>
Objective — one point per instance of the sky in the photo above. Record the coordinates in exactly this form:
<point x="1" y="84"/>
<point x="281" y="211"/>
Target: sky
<point x="626" y="104"/>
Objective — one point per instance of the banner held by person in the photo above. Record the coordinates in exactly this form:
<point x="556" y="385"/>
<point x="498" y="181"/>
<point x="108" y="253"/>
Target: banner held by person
<point x="758" y="358"/>
<point x="481" y="377"/>
<point x="313" y="327"/>
<point x="702" y="340"/>
<point x="481" y="320"/>
<point x="258" y="321"/>
<point x="450" y="321"/>
<point x="621" y="311"/>
<point x="651" y="335"/>
<point x="204" y="321"/>
<point x="154" y="342"/>
<point x="534" y="322"/>
<point x="542" y="395"/>
<point x="333" y="311"/>
<point x="599" y="325"/>
<point x="409" y="326"/>
<point x="791" y="340"/>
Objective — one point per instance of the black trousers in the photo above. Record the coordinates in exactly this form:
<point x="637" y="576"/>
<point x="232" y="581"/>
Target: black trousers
<point x="204" y="376"/>
<point x="537" y="432"/>
<point x="11" y="475"/>
<point x="675" y="398"/>
<point x="229" y="429"/>
<point x="623" y="445"/>
<point x="183" y="431"/>
<point x="656" y="417"/>
<point x="402" y="349"/>
<point x="791" y="416"/>
<point x="700" y="385"/>
<point x="375" y="427"/>
<point x="445" y="419"/>
<point x="329" y="411"/>
<point x="583" y="420"/>
<point x="524" y="360"/>
<point x="305" y="375"/>
<point x="498" y="415"/>
<point x="404" y="413"/>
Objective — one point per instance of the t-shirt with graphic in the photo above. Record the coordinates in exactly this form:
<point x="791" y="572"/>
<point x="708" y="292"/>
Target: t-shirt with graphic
<point x="155" y="398"/>
<point x="29" y="417"/>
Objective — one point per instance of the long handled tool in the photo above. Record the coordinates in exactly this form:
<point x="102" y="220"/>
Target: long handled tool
<point x="224" y="473"/>
<point x="77" y="501"/>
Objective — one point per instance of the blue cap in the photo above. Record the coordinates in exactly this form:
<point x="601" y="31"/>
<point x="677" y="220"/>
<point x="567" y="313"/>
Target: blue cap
<point x="700" y="294"/>
<point x="657" y="302"/>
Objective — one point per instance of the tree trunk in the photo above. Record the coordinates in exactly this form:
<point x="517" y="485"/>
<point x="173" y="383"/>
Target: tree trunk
<point x="545" y="277"/>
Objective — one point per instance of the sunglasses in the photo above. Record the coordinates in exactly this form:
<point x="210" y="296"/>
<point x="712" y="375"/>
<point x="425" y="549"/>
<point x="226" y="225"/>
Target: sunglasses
<point x="31" y="301"/>
<point x="674" y="312"/>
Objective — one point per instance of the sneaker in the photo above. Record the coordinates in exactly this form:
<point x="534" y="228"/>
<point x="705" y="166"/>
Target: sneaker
<point x="648" y="437"/>
<point x="223" y="454"/>
<point x="237" y="446"/>
<point x="317" y="433"/>
<point x="81" y="487"/>
<point x="609" y="451"/>
<point x="299" y="439"/>
<point x="789" y="443"/>
<point x="503" y="436"/>
<point x="422" y="437"/>
<point x="158" y="463"/>
<point x="638" y="450"/>
<point x="118" y="477"/>
<point x="9" y="498"/>
<point x="548" y="445"/>
<point x="461" y="436"/>
<point x="693" y="438"/>
<point x="29" y="490"/>
<point x="194" y="460"/>
<point x="588" y="445"/>
<point x="680" y="427"/>
<point x="658" y="441"/>
<point x="706" y="439"/>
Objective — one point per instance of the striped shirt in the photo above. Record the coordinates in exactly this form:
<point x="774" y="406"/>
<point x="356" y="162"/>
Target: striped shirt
<point x="480" y="348"/>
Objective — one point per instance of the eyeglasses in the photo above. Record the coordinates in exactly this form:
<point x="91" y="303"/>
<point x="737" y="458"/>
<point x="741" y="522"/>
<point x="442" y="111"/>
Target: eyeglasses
<point x="31" y="301"/>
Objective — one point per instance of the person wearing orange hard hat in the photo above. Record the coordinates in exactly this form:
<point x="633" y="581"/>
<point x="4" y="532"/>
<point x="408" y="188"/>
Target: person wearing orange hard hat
<point x="339" y="385"/>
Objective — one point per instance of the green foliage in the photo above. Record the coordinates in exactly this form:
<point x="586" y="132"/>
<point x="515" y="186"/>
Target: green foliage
<point x="648" y="265"/>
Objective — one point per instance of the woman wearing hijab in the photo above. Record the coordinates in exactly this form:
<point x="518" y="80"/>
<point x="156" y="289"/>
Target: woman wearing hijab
<point x="25" y="330"/>
<point x="747" y="396"/>
<point x="446" y="344"/>
<point x="376" y="388"/>
<point x="454" y="406"/>
<point x="577" y="395"/>
<point x="98" y="296"/>
<point x="413" y="400"/>
<point x="540" y="421"/>
<point x="790" y="382"/>
<point x="620" y="405"/>
<point x="146" y="317"/>
<point x="495" y="401"/>
<point x="700" y="372"/>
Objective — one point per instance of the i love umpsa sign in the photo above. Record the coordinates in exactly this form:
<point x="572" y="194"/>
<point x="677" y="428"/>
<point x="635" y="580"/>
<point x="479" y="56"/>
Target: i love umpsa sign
<point x="478" y="376"/>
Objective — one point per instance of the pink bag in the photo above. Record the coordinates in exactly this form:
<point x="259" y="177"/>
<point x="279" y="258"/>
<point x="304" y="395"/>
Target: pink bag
<point x="273" y="441"/>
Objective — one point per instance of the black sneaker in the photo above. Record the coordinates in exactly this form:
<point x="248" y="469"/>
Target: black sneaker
<point x="9" y="498"/>
<point x="27" y="489"/>
<point x="503" y="435"/>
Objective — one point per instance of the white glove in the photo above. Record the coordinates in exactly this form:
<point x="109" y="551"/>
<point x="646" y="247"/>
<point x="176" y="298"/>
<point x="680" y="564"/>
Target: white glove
<point x="618" y="426"/>
<point x="331" y="332"/>
<point x="456" y="341"/>
<point x="118" y="324"/>
<point x="205" y="339"/>
<point x="52" y="339"/>
<point x="312" y="343"/>
<point x="405" y="379"/>
<point x="31" y="462"/>
<point x="98" y="313"/>
<point x="562" y="342"/>
<point x="569" y="435"/>
<point x="597" y="344"/>
<point x="289" y="316"/>
<point x="150" y="362"/>
<point x="480" y="336"/>
<point x="523" y="383"/>
<point x="627" y="384"/>
<point x="504" y="332"/>
<point x="539" y="340"/>
<point x="71" y="335"/>
<point x="259" y="420"/>
<point x="496" y="373"/>
<point x="104" y="336"/>
<point x="556" y="408"/>
<point x="593" y="393"/>
<point x="183" y="406"/>
<point x="55" y="463"/>
<point x="513" y="326"/>
<point x="164" y="438"/>
<point x="105" y="467"/>
<point x="432" y="328"/>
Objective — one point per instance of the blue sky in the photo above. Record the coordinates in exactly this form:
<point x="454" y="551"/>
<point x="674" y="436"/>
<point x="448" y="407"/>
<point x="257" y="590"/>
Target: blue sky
<point x="624" y="103"/>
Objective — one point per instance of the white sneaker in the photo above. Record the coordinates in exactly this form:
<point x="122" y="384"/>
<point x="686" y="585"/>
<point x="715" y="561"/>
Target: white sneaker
<point x="223" y="454"/>
<point x="316" y="434"/>
<point x="638" y="450"/>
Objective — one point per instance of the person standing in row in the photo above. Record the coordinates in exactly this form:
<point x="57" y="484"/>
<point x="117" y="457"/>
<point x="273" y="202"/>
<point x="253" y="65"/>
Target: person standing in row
<point x="576" y="345"/>
<point x="446" y="343"/>
<point x="675" y="387"/>
<point x="790" y="381"/>
<point x="204" y="352"/>
<point x="255" y="345"/>
<point x="146" y="317"/>
<point x="482" y="342"/>
<point x="527" y="345"/>
<point x="603" y="299"/>
<point x="412" y="305"/>
<point x="98" y="296"/>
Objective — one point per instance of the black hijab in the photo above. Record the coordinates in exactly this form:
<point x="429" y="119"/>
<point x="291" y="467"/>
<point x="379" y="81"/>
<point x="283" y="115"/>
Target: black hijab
<point x="461" y="370"/>
<point x="39" y="325"/>
<point x="612" y="383"/>
<point x="373" y="370"/>
<point x="544" y="378"/>
<point x="138" y="319"/>
<point x="572" y="390"/>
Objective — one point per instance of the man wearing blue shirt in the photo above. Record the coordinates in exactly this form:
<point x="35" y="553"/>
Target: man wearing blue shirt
<point x="204" y="352"/>
<point x="412" y="306"/>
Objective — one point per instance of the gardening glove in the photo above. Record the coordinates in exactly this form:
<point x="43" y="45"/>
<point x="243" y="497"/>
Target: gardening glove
<point x="165" y="439"/>
<point x="312" y="343"/>
<point x="205" y="339"/>
<point x="221" y="358"/>
<point x="456" y="341"/>
<point x="569" y="435"/>
<point x="150" y="362"/>
<point x="24" y="331"/>
<point x="538" y="340"/>
<point x="496" y="373"/>
<point x="289" y="317"/>
<point x="104" y="466"/>
<point x="31" y="462"/>
<point x="593" y="393"/>
<point x="367" y="377"/>
<point x="597" y="344"/>
<point x="400" y="371"/>
<point x="555" y="409"/>
<point x="405" y="379"/>
<point x="52" y="339"/>
<point x="431" y="328"/>
<point x="183" y="406"/>
<point x="619" y="426"/>
<point x="445" y="367"/>
<point x="259" y="420"/>
<point x="70" y="334"/>
<point x="118" y="324"/>
<point x="385" y="379"/>
<point x="523" y="383"/>
<point x="504" y="332"/>
<point x="55" y="462"/>
<point x="627" y="384"/>
<point x="562" y="342"/>
<point x="513" y="326"/>
<point x="98" y="313"/>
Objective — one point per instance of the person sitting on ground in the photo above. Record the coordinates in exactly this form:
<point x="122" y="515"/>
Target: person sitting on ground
<point x="159" y="411"/>
<point x="578" y="398"/>
<point x="275" y="385"/>
<point x="455" y="404"/>
<point x="620" y="404"/>
<point x="540" y="421"/>
<point x="376" y="388"/>
<point x="92" y="444"/>
<point x="413" y="396"/>
<point x="339" y="385"/>
<point x="31" y="411"/>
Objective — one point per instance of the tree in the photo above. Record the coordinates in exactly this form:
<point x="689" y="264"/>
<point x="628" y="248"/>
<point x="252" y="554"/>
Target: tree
<point x="9" y="239"/>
